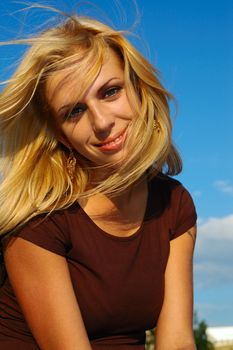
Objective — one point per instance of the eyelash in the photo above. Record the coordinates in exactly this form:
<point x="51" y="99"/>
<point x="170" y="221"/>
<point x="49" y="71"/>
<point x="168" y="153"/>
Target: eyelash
<point x="112" y="91"/>
<point x="76" y="111"/>
<point x="109" y="93"/>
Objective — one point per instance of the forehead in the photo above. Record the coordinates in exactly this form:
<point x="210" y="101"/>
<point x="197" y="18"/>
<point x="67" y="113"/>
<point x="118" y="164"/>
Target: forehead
<point x="74" y="82"/>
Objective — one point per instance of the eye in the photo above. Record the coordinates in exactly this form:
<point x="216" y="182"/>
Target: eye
<point x="76" y="111"/>
<point x="112" y="91"/>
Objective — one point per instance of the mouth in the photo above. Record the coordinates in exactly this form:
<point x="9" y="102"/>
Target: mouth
<point x="113" y="143"/>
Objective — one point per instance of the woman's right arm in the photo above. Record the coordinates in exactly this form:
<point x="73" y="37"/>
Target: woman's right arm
<point x="43" y="288"/>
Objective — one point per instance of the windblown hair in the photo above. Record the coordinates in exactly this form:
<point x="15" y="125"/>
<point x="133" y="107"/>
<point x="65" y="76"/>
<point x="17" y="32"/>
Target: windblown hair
<point x="34" y="176"/>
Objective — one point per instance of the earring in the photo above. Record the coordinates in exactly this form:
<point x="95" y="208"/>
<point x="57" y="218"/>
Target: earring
<point x="156" y="125"/>
<point x="70" y="164"/>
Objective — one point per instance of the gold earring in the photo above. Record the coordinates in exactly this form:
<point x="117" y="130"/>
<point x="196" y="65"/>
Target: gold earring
<point x="156" y="125"/>
<point x="70" y="164"/>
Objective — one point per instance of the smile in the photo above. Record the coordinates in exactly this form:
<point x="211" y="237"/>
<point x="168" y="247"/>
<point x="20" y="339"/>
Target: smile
<point x="114" y="144"/>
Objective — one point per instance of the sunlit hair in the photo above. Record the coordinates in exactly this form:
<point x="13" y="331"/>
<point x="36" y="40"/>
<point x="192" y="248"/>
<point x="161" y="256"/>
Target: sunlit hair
<point x="34" y="174"/>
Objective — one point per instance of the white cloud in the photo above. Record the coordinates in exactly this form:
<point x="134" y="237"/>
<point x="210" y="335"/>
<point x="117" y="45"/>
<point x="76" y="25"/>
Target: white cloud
<point x="224" y="186"/>
<point x="217" y="228"/>
<point x="213" y="264"/>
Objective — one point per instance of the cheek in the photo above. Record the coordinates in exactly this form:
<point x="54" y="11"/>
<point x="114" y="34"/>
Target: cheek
<point x="127" y="109"/>
<point x="123" y="111"/>
<point x="76" y="133"/>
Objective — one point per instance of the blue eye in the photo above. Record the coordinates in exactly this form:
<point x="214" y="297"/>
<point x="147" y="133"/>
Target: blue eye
<point x="76" y="111"/>
<point x="112" y="91"/>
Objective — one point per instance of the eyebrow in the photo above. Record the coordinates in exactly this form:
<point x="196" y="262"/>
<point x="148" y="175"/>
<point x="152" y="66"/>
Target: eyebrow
<point x="69" y="105"/>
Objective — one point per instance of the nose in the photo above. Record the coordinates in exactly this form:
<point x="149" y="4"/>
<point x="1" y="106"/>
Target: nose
<point x="101" y="119"/>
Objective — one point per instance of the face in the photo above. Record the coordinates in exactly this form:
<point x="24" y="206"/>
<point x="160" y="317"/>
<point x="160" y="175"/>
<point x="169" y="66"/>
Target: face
<point x="97" y="125"/>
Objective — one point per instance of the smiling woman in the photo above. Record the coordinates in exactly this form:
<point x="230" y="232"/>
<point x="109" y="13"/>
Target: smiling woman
<point x="96" y="125"/>
<point x="97" y="240"/>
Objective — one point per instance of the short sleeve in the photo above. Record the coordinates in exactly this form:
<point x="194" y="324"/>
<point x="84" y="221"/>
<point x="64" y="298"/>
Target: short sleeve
<point x="49" y="232"/>
<point x="184" y="213"/>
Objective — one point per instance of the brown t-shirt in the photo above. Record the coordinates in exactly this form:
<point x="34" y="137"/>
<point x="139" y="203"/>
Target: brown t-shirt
<point x="118" y="281"/>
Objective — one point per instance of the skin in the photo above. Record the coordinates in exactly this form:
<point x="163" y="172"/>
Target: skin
<point x="43" y="288"/>
<point x="102" y="114"/>
<point x="174" y="328"/>
<point x="41" y="278"/>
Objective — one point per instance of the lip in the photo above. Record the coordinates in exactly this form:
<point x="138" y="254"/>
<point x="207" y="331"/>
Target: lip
<point x="114" y="143"/>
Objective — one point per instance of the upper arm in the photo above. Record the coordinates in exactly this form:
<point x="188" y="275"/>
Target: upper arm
<point x="43" y="287"/>
<point x="174" y="328"/>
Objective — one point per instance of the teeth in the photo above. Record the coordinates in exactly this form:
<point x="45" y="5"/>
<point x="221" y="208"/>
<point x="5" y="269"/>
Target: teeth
<point x="113" y="142"/>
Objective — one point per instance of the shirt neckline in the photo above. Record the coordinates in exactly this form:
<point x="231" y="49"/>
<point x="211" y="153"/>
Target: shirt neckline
<point x="121" y="238"/>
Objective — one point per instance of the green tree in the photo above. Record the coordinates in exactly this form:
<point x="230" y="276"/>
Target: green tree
<point x="150" y="339"/>
<point x="200" y="335"/>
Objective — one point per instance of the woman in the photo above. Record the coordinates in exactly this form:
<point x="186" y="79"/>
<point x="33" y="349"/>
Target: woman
<point x="97" y="239"/>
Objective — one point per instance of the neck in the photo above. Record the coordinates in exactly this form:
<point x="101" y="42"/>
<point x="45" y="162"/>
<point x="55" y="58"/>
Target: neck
<point x="121" y="207"/>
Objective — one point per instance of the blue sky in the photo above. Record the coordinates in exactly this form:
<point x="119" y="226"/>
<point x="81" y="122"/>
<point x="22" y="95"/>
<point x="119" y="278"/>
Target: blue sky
<point x="191" y="43"/>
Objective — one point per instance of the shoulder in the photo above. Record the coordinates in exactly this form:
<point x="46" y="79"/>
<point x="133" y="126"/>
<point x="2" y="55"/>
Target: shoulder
<point x="165" y="187"/>
<point x="48" y="230"/>
<point x="175" y="203"/>
<point x="165" y="181"/>
<point x="165" y="192"/>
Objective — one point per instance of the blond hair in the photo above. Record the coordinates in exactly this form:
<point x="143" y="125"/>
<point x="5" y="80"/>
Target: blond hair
<point x="34" y="175"/>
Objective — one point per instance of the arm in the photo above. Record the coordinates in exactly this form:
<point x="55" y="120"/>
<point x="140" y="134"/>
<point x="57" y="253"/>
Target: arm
<point x="43" y="287"/>
<point x="174" y="328"/>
